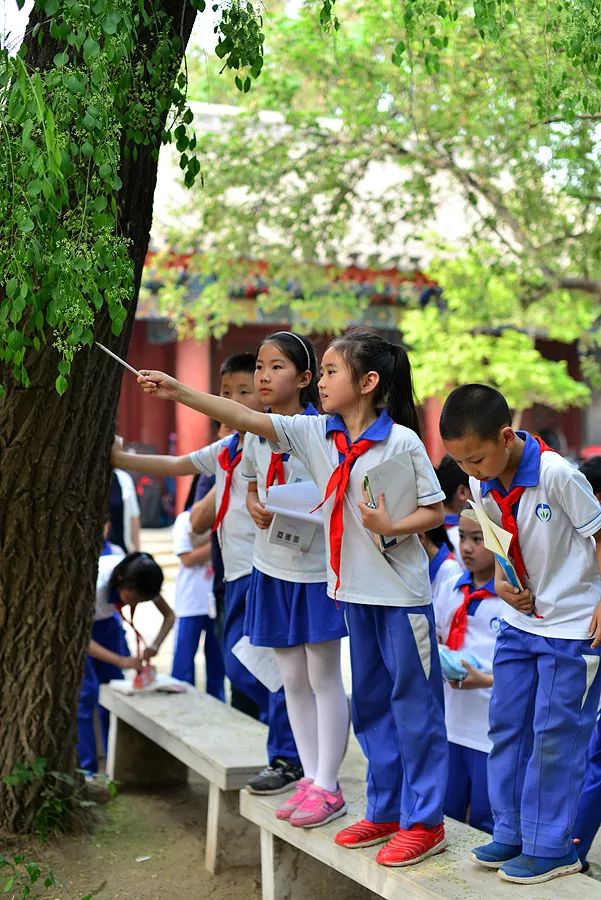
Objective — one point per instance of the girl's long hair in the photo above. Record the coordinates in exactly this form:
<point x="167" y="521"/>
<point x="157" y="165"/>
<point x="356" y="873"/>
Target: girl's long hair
<point x="364" y="350"/>
<point x="301" y="353"/>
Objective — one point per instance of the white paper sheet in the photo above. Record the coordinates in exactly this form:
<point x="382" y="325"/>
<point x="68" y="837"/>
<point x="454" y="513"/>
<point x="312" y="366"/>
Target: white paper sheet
<point x="260" y="662"/>
<point x="296" y="500"/>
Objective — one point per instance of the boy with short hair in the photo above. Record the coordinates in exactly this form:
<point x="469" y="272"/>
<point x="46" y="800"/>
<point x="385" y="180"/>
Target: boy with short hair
<point x="546" y="668"/>
<point x="236" y="532"/>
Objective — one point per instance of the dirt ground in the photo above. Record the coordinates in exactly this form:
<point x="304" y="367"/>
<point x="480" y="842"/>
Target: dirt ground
<point x="167" y="826"/>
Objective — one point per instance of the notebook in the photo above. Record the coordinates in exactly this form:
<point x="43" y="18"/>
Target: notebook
<point x="394" y="478"/>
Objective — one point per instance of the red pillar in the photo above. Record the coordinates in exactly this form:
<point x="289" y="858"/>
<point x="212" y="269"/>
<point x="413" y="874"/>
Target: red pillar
<point x="432" y="409"/>
<point x="192" y="429"/>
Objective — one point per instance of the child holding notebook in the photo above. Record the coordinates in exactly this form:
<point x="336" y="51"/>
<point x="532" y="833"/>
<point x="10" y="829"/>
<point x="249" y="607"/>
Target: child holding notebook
<point x="546" y="667"/>
<point x="366" y="393"/>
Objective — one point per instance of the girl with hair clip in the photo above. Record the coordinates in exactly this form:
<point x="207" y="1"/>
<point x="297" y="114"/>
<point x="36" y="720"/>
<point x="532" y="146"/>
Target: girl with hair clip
<point x="287" y="606"/>
<point x="398" y="711"/>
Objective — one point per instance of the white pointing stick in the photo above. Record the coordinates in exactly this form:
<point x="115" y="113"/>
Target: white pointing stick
<point x="118" y="358"/>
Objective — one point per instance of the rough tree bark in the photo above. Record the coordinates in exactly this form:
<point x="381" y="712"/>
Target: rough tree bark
<point x="54" y="477"/>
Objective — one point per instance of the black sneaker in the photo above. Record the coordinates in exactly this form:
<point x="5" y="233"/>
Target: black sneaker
<point x="280" y="776"/>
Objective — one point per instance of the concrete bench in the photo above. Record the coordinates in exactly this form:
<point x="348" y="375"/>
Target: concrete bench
<point x="305" y="864"/>
<point x="155" y="738"/>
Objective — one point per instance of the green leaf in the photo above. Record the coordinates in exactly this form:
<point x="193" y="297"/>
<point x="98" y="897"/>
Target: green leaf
<point x="91" y="50"/>
<point x="26" y="225"/>
<point x="61" y="385"/>
<point x="61" y="59"/>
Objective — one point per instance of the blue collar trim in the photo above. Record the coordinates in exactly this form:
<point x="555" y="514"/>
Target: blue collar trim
<point x="232" y="445"/>
<point x="435" y="564"/>
<point x="468" y="578"/>
<point x="527" y="472"/>
<point x="451" y="519"/>
<point x="377" y="431"/>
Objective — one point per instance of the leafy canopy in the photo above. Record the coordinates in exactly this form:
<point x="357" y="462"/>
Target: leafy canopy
<point x="492" y="103"/>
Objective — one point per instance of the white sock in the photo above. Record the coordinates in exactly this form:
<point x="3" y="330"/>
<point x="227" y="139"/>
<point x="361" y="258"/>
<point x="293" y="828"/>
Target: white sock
<point x="325" y="677"/>
<point x="301" y="705"/>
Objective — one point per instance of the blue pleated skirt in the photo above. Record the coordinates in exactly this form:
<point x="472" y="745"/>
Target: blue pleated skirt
<point x="285" y="613"/>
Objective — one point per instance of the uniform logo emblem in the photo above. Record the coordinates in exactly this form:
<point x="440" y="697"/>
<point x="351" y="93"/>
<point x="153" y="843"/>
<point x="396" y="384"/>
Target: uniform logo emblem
<point x="495" y="624"/>
<point x="543" y="512"/>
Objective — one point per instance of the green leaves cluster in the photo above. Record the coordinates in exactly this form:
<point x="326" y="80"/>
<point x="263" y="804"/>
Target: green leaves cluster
<point x="17" y="873"/>
<point x="240" y="41"/>
<point x="61" y="794"/>
<point x="62" y="253"/>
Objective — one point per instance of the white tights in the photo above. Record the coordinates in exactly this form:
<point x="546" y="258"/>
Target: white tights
<point x="317" y="707"/>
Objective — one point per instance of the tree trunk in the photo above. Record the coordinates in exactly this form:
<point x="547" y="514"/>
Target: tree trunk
<point x="54" y="479"/>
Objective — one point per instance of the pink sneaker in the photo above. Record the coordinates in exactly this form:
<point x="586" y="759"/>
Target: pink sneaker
<point x="289" y="805"/>
<point x="317" y="808"/>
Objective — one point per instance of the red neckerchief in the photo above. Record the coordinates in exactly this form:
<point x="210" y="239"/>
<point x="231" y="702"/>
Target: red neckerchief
<point x="456" y="637"/>
<point x="140" y="642"/>
<point x="508" y="520"/>
<point x="228" y="465"/>
<point x="338" y="482"/>
<point x="275" y="472"/>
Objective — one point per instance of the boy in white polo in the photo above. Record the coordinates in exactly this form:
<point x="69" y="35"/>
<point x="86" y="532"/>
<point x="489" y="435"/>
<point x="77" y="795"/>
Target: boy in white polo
<point x="547" y="678"/>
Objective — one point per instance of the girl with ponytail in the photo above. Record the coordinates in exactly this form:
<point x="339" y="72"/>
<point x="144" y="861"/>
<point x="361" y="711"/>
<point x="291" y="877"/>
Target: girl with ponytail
<point x="397" y="704"/>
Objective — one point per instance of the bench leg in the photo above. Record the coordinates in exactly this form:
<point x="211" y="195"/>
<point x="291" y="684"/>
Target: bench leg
<point x="289" y="874"/>
<point x="134" y="760"/>
<point x="228" y="834"/>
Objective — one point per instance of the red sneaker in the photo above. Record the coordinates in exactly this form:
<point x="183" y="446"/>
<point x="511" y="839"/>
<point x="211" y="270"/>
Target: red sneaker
<point x="365" y="834"/>
<point x="411" y="845"/>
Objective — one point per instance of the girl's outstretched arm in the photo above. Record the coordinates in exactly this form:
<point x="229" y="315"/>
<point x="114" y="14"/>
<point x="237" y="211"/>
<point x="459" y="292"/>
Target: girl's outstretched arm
<point x="227" y="411"/>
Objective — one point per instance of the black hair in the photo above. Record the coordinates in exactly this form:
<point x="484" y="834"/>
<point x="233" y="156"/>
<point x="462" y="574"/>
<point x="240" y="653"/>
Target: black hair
<point x="451" y="477"/>
<point x="474" y="409"/>
<point x="141" y="573"/>
<point x="192" y="492"/>
<point x="439" y="536"/>
<point x="364" y="350"/>
<point x="301" y="353"/>
<point x="239" y="362"/>
<point x="591" y="469"/>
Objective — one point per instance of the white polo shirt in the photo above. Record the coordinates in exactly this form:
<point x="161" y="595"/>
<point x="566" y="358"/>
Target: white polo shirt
<point x="192" y="583"/>
<point x="237" y="531"/>
<point x="287" y="563"/>
<point x="556" y="517"/>
<point x="466" y="712"/>
<point x="400" y="576"/>
<point x="443" y="571"/>
<point x="105" y="596"/>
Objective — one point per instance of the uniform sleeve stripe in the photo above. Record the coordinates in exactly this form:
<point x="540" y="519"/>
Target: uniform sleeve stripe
<point x="587" y="526"/>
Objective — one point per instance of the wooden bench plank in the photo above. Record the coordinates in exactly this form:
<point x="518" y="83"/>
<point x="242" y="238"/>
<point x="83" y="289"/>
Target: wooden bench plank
<point x="155" y="738"/>
<point x="287" y="874"/>
<point x="220" y="743"/>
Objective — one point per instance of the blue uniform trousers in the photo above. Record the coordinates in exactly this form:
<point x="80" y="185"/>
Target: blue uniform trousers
<point x="542" y="711"/>
<point x="588" y="814"/>
<point x="467" y="787"/>
<point x="110" y="634"/>
<point x="398" y="711"/>
<point x="272" y="706"/>
<point x="189" y="631"/>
